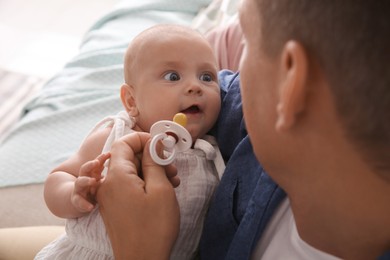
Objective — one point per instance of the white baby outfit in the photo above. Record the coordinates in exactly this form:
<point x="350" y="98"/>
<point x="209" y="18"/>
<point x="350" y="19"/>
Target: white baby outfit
<point x="200" y="170"/>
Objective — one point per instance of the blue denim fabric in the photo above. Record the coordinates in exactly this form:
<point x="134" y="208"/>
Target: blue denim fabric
<point x="246" y="197"/>
<point x="238" y="214"/>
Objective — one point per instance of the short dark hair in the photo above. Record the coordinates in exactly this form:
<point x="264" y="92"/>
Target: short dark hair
<point x="350" y="40"/>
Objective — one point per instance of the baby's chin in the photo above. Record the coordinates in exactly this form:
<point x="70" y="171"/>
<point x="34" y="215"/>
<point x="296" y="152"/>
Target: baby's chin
<point x="195" y="134"/>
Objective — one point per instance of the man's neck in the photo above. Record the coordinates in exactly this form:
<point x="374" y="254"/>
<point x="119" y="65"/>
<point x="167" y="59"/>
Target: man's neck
<point x="348" y="218"/>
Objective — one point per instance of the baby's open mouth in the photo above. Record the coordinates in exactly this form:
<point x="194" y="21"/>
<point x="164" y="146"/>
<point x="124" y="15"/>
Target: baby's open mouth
<point x="191" y="110"/>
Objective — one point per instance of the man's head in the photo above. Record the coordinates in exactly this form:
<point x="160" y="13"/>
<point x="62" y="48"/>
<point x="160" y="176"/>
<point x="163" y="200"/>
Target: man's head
<point x="171" y="69"/>
<point x="349" y="44"/>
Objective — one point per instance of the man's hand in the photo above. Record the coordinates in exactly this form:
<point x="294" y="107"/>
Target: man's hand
<point x="141" y="214"/>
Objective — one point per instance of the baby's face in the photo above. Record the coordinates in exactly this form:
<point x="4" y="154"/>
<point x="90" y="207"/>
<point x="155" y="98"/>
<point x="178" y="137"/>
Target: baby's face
<point x="177" y="74"/>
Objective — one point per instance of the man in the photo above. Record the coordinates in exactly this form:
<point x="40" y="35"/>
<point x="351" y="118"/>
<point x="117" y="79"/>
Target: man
<point x="315" y="130"/>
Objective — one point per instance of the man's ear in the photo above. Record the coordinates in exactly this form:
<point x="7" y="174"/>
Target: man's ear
<point x="293" y="87"/>
<point x="128" y="100"/>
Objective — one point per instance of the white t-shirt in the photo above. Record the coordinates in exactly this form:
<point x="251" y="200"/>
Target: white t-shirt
<point x="281" y="239"/>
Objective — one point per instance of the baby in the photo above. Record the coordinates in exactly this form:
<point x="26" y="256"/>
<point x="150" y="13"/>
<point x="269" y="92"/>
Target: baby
<point x="167" y="69"/>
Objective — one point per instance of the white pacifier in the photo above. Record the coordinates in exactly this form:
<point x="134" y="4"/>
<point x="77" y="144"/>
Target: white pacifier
<point x="174" y="137"/>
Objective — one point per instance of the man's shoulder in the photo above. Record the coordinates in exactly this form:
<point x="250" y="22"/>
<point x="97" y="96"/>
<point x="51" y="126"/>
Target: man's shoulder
<point x="228" y="79"/>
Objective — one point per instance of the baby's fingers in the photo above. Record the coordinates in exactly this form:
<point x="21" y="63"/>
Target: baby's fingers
<point x="95" y="167"/>
<point x="86" y="168"/>
<point x="103" y="158"/>
<point x="83" y="184"/>
<point x="82" y="198"/>
<point x="82" y="204"/>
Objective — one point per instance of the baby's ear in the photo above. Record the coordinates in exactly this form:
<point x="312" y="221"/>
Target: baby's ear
<point x="128" y="100"/>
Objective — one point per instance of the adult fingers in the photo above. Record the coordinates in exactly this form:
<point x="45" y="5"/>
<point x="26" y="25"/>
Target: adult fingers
<point x="155" y="176"/>
<point x="124" y="153"/>
<point x="138" y="212"/>
<point x="171" y="172"/>
<point x="162" y="200"/>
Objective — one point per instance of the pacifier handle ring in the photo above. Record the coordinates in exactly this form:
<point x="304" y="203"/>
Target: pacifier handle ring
<point x="153" y="151"/>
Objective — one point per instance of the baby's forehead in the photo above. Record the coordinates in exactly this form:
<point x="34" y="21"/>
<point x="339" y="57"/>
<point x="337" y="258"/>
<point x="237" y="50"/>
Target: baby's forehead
<point x="162" y="29"/>
<point x="165" y="39"/>
<point x="167" y="34"/>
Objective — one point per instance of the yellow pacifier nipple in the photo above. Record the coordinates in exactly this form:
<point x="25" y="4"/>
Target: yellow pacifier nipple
<point x="180" y="119"/>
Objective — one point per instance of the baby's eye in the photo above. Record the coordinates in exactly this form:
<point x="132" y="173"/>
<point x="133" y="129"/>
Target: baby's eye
<point x="172" y="76"/>
<point x="206" y="77"/>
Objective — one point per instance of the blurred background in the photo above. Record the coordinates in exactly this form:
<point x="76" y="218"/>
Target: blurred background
<point x="37" y="38"/>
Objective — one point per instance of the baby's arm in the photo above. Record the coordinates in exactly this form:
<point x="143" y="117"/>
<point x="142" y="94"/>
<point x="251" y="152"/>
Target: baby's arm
<point x="60" y="185"/>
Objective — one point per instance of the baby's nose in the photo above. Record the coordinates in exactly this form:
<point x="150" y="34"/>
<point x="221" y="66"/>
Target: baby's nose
<point x="194" y="89"/>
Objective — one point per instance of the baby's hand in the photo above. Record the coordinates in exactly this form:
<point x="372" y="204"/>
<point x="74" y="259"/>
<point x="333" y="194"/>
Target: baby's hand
<point x="83" y="196"/>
